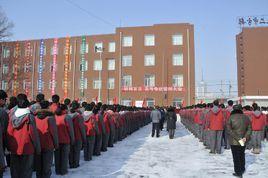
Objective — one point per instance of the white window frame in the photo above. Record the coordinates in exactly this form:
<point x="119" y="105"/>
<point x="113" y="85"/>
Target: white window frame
<point x="126" y="101"/>
<point x="177" y="80"/>
<point x="97" y="65"/>
<point x="85" y="84"/>
<point x="127" y="61"/>
<point x="149" y="60"/>
<point x="98" y="47"/>
<point x="177" y="39"/>
<point x="81" y="48"/>
<point x="149" y="40"/>
<point x="110" y="83"/>
<point x="149" y="80"/>
<point x="150" y="102"/>
<point x="127" y="81"/>
<point x="127" y="41"/>
<point x="97" y="84"/>
<point x="111" y="64"/>
<point x="5" y="69"/>
<point x="85" y="66"/>
<point x="4" y="85"/>
<point x="111" y="47"/>
<point x="177" y="59"/>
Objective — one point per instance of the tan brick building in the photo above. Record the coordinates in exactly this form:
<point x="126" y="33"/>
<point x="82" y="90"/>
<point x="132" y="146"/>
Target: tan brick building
<point x="252" y="61"/>
<point x="154" y="64"/>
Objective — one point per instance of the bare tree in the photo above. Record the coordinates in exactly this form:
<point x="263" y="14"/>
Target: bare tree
<point x="5" y="26"/>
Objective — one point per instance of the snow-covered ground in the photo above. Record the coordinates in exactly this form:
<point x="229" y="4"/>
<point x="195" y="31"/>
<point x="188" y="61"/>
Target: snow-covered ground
<point x="142" y="156"/>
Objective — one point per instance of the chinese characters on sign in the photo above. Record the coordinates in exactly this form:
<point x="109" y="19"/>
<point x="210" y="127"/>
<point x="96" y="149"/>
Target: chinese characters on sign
<point x="134" y="89"/>
<point x="253" y="21"/>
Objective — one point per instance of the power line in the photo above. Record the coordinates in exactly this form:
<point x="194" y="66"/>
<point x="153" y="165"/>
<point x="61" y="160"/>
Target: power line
<point x="90" y="13"/>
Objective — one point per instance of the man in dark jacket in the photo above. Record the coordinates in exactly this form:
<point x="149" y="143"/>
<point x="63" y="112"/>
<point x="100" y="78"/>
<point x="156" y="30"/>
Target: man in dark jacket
<point x="171" y="122"/>
<point x="239" y="129"/>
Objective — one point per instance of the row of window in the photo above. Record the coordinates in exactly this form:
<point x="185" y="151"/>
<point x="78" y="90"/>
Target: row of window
<point x="150" y="102"/>
<point x="149" y="60"/>
<point x="149" y="81"/>
<point x="149" y="40"/>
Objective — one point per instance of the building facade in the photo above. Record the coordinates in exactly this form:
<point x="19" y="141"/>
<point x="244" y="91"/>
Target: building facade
<point x="150" y="64"/>
<point x="252" y="61"/>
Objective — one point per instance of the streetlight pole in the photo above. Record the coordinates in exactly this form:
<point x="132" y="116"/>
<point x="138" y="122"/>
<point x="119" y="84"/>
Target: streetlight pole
<point x="99" y="94"/>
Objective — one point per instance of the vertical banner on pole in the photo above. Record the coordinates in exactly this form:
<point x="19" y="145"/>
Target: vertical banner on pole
<point x="82" y="61"/>
<point x="28" y="54"/>
<point x="66" y="66"/>
<point x="40" y="67"/>
<point x="54" y="65"/>
<point x="16" y="69"/>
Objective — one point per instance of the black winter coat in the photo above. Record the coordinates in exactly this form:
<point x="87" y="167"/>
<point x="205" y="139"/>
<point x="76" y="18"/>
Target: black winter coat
<point x="171" y="118"/>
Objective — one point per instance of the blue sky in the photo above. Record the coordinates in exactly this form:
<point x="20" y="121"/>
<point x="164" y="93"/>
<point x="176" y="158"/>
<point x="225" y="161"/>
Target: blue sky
<point x="215" y="23"/>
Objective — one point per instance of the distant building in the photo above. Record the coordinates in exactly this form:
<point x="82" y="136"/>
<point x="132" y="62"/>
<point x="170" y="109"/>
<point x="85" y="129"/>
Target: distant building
<point x="252" y="61"/>
<point x="154" y="65"/>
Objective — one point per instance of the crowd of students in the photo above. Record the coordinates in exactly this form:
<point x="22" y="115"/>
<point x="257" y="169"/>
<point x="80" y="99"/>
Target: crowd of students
<point x="32" y="133"/>
<point x="208" y="122"/>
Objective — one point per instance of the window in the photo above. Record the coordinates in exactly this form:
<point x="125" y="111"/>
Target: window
<point x="14" y="83"/>
<point x="26" y="84"/>
<point x="150" y="102"/>
<point x="84" y="51"/>
<point x="127" y="61"/>
<point x="85" y="66"/>
<point x="18" y="68"/>
<point x="4" y="85"/>
<point x="97" y="65"/>
<point x="111" y="47"/>
<point x="127" y="81"/>
<point x="177" y="80"/>
<point x="149" y="40"/>
<point x="6" y="53"/>
<point x="177" y="39"/>
<point x="44" y="50"/>
<point x="97" y="84"/>
<point x="149" y="60"/>
<point x="126" y="102"/>
<point x="177" y="59"/>
<point x="149" y="80"/>
<point x="5" y="69"/>
<point x="65" y="50"/>
<point x="52" y="52"/>
<point x="111" y="64"/>
<point x="83" y="85"/>
<point x="110" y="83"/>
<point x="177" y="102"/>
<point x="40" y="86"/>
<point x="50" y="84"/>
<point x="98" y="47"/>
<point x="51" y="66"/>
<point x="127" y="41"/>
<point x="27" y="67"/>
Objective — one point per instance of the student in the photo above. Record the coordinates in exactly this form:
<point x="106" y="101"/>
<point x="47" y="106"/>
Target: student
<point x="216" y="125"/>
<point x="258" y="125"/>
<point x="90" y="122"/>
<point x="47" y="129"/>
<point x="171" y="122"/>
<point x="22" y="138"/>
<point x="39" y="97"/>
<point x="155" y="116"/>
<point x="55" y="103"/>
<point x="66" y="138"/>
<point x="79" y="134"/>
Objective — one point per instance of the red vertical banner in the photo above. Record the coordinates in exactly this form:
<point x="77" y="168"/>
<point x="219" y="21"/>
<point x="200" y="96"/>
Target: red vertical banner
<point x="144" y="104"/>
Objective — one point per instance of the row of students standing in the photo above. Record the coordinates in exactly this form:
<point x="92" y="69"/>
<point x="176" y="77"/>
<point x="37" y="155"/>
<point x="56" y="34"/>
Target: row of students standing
<point x="34" y="133"/>
<point x="208" y="122"/>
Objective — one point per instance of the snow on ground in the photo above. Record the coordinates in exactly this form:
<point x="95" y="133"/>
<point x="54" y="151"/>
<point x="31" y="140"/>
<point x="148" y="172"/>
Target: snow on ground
<point x="142" y="156"/>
